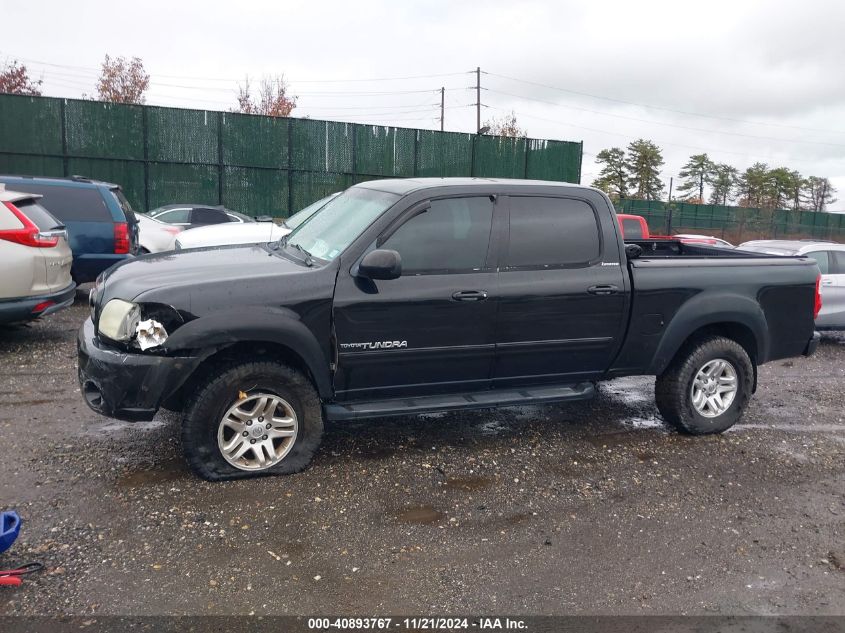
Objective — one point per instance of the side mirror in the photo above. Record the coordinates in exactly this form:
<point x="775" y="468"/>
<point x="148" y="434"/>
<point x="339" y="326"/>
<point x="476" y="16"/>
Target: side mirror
<point x="381" y="263"/>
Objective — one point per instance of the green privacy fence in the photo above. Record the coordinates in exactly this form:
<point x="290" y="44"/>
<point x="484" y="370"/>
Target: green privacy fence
<point x="253" y="164"/>
<point x="736" y="224"/>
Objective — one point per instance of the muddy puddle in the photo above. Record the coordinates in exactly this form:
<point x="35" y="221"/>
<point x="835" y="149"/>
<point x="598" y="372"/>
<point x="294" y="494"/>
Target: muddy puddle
<point x="420" y="514"/>
<point x="468" y="482"/>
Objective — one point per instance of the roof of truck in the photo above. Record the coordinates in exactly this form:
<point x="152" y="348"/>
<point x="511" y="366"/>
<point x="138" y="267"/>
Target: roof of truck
<point x="402" y="186"/>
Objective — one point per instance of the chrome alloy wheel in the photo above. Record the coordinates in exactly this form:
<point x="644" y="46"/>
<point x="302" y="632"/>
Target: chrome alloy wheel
<point x="714" y="388"/>
<point x="257" y="432"/>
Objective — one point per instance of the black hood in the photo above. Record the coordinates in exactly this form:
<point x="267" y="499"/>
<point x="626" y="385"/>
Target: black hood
<point x="197" y="281"/>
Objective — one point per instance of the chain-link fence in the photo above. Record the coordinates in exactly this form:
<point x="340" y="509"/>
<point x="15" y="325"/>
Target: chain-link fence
<point x="736" y="224"/>
<point x="253" y="164"/>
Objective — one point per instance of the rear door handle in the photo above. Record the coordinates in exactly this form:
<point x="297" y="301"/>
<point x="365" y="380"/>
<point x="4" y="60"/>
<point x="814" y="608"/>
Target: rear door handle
<point x="827" y="282"/>
<point x="469" y="295"/>
<point x="603" y="290"/>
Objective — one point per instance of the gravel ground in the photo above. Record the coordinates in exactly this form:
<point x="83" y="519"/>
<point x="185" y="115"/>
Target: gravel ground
<point x="582" y="508"/>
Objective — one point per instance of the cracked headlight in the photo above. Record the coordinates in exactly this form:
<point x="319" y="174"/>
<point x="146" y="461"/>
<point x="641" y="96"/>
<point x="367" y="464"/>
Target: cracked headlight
<point x="119" y="320"/>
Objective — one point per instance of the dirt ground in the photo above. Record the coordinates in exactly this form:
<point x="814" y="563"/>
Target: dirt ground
<point x="582" y="508"/>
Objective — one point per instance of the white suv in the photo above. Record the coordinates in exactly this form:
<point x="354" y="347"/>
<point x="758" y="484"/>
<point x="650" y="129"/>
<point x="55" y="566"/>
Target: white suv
<point x="35" y="259"/>
<point x="830" y="257"/>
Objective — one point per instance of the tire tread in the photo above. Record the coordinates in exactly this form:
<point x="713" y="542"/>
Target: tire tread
<point x="670" y="389"/>
<point x="195" y="420"/>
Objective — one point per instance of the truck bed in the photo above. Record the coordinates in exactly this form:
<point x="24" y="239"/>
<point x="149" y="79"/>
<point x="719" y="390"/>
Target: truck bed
<point x="668" y="248"/>
<point x="677" y="288"/>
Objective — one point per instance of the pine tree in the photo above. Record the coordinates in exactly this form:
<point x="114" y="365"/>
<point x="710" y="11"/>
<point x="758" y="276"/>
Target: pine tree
<point x="644" y="162"/>
<point x="613" y="178"/>
<point x="695" y="174"/>
<point x="723" y="180"/>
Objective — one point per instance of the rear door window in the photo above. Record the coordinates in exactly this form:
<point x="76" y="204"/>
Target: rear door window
<point x="38" y="215"/>
<point x="551" y="232"/>
<point x="70" y="204"/>
<point x="201" y="215"/>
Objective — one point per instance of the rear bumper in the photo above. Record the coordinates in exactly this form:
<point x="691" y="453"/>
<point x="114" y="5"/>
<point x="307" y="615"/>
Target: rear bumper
<point x="813" y="345"/>
<point x="126" y="385"/>
<point x="87" y="266"/>
<point x="21" y="309"/>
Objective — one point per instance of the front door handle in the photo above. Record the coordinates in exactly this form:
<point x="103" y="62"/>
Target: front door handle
<point x="607" y="289"/>
<point x="469" y="295"/>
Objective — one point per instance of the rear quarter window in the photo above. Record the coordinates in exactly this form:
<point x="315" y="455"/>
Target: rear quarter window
<point x="552" y="232"/>
<point x="70" y="204"/>
<point x="125" y="206"/>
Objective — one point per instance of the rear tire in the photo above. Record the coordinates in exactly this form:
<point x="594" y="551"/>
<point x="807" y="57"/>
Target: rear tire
<point x="707" y="387"/>
<point x="213" y="410"/>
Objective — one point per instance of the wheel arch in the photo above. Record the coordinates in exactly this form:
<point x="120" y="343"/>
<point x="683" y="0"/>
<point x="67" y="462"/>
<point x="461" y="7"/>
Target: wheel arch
<point x="738" y="318"/>
<point x="274" y="334"/>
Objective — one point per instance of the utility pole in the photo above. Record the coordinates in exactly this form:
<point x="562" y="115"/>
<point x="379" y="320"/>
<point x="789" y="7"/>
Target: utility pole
<point x="478" y="99"/>
<point x="669" y="209"/>
<point x="442" y="105"/>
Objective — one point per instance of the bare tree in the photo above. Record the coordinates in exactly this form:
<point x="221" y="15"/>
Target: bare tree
<point x="273" y="98"/>
<point x="818" y="193"/>
<point x="122" y="80"/>
<point x="506" y="126"/>
<point x="15" y="79"/>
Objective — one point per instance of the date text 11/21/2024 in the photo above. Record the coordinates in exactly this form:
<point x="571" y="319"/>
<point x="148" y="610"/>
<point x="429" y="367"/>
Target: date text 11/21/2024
<point x="416" y="624"/>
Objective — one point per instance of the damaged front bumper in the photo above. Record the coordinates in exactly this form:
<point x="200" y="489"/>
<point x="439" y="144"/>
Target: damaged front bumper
<point x="125" y="385"/>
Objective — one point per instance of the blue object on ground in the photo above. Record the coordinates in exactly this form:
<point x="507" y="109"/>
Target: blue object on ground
<point x="10" y="525"/>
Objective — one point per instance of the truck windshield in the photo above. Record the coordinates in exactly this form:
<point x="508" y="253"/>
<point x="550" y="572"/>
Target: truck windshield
<point x="329" y="232"/>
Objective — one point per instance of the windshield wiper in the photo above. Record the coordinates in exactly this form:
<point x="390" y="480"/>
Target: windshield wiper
<point x="277" y="244"/>
<point x="308" y="257"/>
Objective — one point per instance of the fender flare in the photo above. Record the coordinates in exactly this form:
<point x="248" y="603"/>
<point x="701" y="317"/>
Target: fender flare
<point x="707" y="309"/>
<point x="263" y="324"/>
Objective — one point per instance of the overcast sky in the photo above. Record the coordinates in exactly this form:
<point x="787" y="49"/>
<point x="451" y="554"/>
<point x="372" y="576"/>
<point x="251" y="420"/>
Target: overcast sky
<point x="742" y="80"/>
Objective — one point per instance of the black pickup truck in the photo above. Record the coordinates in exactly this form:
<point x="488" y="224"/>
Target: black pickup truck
<point x="419" y="295"/>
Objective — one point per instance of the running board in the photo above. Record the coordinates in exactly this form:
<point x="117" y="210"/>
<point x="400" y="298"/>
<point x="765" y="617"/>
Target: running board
<point x="459" y="401"/>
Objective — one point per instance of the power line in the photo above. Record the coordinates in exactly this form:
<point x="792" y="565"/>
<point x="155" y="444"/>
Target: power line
<point x="392" y="108"/>
<point x="153" y="82"/>
<point x="74" y="82"/>
<point x="634" y="137"/>
<point x="651" y="122"/>
<point x="368" y="79"/>
<point x="664" y="109"/>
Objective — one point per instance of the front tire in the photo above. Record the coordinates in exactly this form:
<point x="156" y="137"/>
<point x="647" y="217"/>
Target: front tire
<point x="251" y="419"/>
<point x="707" y="387"/>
